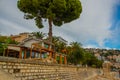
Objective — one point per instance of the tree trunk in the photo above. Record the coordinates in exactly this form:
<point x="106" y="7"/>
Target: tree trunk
<point x="50" y="29"/>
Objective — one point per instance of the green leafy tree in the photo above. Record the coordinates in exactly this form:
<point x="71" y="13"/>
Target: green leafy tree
<point x="75" y="45"/>
<point x="56" y="12"/>
<point x="2" y="44"/>
<point x="75" y="55"/>
<point x="1" y="49"/>
<point x="87" y="57"/>
<point x="6" y="41"/>
<point x="2" y="39"/>
<point x="91" y="60"/>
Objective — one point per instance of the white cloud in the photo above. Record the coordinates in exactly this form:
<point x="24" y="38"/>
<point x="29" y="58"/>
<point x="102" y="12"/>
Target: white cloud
<point x="94" y="22"/>
<point x="12" y="18"/>
<point x="90" y="46"/>
<point x="116" y="33"/>
<point x="10" y="27"/>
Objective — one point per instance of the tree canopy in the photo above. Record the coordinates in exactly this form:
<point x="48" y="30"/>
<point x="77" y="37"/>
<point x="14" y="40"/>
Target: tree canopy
<point x="57" y="12"/>
<point x="59" y="45"/>
<point x="39" y="35"/>
<point x="75" y="53"/>
<point x="4" y="41"/>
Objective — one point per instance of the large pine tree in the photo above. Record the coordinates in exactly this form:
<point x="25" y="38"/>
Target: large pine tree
<point x="57" y="12"/>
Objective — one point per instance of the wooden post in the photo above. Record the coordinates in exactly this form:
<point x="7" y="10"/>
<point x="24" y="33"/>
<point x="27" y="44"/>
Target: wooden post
<point x="65" y="60"/>
<point x="25" y="54"/>
<point x="31" y="51"/>
<point x="60" y="58"/>
<point x="34" y="54"/>
<point x="40" y="54"/>
<point x="50" y="54"/>
<point x="20" y="53"/>
<point x="55" y="56"/>
<point x="7" y="52"/>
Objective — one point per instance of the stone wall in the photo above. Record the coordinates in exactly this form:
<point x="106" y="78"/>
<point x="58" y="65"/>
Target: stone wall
<point x="36" y="70"/>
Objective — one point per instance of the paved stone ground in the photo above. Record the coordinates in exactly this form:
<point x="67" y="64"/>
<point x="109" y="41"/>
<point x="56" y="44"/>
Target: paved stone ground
<point x="102" y="78"/>
<point x="6" y="76"/>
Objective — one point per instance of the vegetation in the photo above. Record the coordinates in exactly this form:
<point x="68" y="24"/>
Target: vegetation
<point x="1" y="49"/>
<point x="56" y="12"/>
<point x="91" y="60"/>
<point x="59" y="45"/>
<point x="39" y="34"/>
<point x="108" y="53"/>
<point x="76" y="55"/>
<point x="4" y="41"/>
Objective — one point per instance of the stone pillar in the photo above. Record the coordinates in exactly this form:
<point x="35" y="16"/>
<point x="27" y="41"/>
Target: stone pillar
<point x="106" y="69"/>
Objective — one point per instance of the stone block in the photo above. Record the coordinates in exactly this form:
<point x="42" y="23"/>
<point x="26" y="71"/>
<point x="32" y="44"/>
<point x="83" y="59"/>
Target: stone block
<point x="9" y="66"/>
<point x="10" y="71"/>
<point x="4" y="66"/>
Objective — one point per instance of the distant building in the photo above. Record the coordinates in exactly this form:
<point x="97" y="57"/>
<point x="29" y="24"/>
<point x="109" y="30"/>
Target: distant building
<point x="20" y="37"/>
<point x="63" y="40"/>
<point x="98" y="56"/>
<point x="118" y="58"/>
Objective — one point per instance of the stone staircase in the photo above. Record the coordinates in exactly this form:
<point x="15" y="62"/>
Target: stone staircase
<point x="32" y="70"/>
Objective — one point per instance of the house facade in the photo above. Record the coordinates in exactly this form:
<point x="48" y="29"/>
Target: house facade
<point x="32" y="48"/>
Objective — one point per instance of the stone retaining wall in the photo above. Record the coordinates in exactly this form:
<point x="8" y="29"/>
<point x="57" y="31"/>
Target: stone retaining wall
<point x="36" y="70"/>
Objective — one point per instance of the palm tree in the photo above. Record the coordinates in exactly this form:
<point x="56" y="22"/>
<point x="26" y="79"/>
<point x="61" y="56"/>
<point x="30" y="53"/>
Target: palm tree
<point x="39" y="35"/>
<point x="75" y="45"/>
<point x="75" y="55"/>
<point x="59" y="45"/>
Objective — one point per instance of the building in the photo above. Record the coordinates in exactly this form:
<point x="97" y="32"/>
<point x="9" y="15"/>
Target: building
<point x="33" y="48"/>
<point x="62" y="40"/>
<point x="20" y="37"/>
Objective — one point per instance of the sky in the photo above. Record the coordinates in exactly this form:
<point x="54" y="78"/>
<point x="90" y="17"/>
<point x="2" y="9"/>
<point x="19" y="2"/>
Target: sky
<point x="97" y="27"/>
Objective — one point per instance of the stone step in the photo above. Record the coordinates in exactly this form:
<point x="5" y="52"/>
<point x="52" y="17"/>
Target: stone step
<point x="42" y="72"/>
<point x="42" y="76"/>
